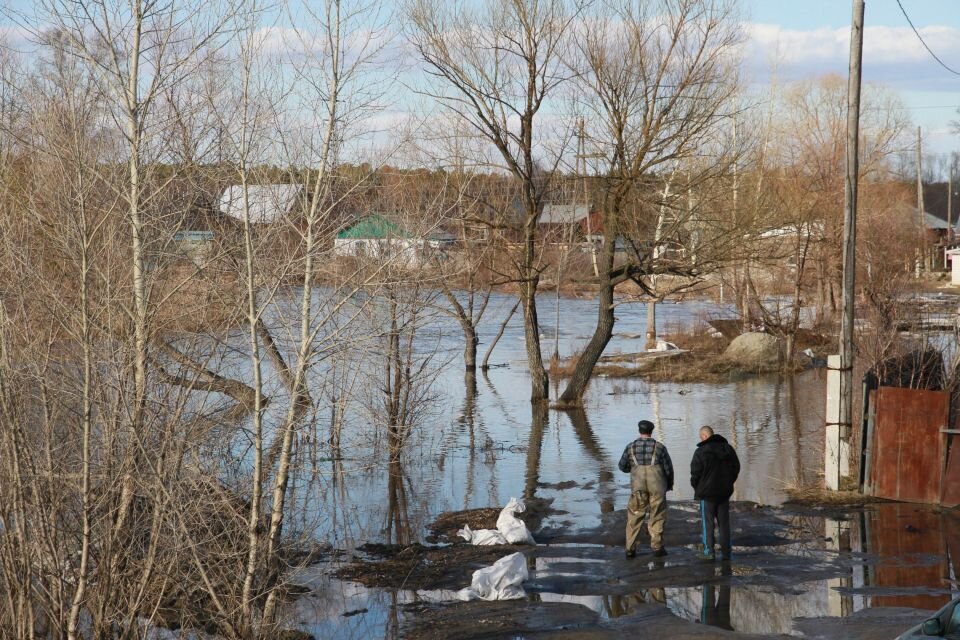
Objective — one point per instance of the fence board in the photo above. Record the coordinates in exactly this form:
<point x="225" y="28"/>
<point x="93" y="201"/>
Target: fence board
<point x="908" y="448"/>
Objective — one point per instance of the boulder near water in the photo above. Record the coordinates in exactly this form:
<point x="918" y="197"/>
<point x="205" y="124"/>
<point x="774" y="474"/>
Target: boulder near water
<point x="754" y="350"/>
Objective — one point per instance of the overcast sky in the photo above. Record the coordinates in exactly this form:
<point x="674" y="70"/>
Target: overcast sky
<point x="806" y="38"/>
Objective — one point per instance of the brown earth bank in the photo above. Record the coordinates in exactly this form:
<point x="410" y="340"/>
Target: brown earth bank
<point x="779" y="553"/>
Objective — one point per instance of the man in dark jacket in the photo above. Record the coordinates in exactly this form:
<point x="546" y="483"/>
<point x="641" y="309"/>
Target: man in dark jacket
<point x="713" y="471"/>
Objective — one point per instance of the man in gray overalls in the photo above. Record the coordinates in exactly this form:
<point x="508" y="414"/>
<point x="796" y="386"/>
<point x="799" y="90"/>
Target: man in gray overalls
<point x="651" y="476"/>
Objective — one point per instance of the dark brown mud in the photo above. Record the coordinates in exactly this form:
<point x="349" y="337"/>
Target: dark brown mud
<point x="555" y="620"/>
<point x="417" y="566"/>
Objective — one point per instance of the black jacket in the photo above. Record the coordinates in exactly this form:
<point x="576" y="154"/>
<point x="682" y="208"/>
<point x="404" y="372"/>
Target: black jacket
<point x="714" y="469"/>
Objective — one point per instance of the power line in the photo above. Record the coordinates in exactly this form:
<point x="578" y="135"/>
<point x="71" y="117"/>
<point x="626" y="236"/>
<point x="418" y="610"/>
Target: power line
<point x="923" y="42"/>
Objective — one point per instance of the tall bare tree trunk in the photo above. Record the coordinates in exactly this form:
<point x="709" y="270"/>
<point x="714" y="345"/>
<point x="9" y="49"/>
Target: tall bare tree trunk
<point x="651" y="324"/>
<point x="316" y="210"/>
<point x="573" y="393"/>
<point x="73" y="624"/>
<point x="133" y="108"/>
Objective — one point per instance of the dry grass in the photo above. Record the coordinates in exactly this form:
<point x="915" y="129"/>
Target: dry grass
<point x="699" y="340"/>
<point x="683" y="368"/>
<point x="563" y="368"/>
<point x="818" y="496"/>
<point x="703" y="362"/>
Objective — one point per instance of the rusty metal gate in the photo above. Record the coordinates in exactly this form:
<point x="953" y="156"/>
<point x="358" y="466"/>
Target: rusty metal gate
<point x="909" y="444"/>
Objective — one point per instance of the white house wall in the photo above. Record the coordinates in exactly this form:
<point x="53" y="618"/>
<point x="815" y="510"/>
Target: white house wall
<point x="402" y="252"/>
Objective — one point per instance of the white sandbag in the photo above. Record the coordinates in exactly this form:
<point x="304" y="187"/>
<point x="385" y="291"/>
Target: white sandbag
<point x="510" y="529"/>
<point x="502" y="580"/>
<point x="513" y="530"/>
<point x="481" y="537"/>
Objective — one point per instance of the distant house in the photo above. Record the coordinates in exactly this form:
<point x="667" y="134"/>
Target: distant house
<point x="267" y="203"/>
<point x="571" y="222"/>
<point x="953" y="260"/>
<point x="195" y="246"/>
<point x="936" y="227"/>
<point x="380" y="237"/>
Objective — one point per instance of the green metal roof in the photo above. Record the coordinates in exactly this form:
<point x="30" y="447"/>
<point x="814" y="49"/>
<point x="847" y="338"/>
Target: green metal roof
<point x="372" y="228"/>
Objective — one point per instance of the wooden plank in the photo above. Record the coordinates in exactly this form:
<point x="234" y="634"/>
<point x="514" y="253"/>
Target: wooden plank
<point x="908" y="447"/>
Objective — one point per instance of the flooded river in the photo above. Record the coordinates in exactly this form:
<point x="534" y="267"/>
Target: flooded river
<point x="480" y="446"/>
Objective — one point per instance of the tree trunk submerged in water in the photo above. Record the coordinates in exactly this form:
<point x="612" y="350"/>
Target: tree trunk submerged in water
<point x="538" y="426"/>
<point x="503" y="327"/>
<point x="470" y="348"/>
<point x="539" y="381"/>
<point x="573" y="394"/>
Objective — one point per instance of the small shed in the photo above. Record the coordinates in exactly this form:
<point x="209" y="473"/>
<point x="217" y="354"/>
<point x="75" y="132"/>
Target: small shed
<point x="563" y="222"/>
<point x="936" y="227"/>
<point x="563" y="214"/>
<point x="377" y="236"/>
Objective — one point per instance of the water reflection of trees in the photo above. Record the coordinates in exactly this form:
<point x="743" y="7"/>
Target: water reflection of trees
<point x="467" y="422"/>
<point x="588" y="440"/>
<point x="538" y="426"/>
<point x="398" y="530"/>
<point x="616" y="606"/>
<point x="585" y="435"/>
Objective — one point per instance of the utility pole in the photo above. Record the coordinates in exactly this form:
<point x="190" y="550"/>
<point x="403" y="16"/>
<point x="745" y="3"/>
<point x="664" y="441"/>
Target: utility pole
<point x="949" y="199"/>
<point x="837" y="462"/>
<point x="920" y="181"/>
<point x="581" y="171"/>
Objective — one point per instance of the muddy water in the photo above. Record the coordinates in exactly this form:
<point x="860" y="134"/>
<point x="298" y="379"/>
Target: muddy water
<point x="482" y="445"/>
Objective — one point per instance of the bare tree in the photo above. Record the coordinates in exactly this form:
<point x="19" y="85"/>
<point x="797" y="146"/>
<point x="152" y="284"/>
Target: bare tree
<point x="339" y="44"/>
<point x="496" y="65"/>
<point x="655" y="81"/>
<point x="812" y="122"/>
<point x="152" y="532"/>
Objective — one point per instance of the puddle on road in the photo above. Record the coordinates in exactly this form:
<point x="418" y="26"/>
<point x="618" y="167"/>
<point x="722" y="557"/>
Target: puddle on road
<point x="887" y="555"/>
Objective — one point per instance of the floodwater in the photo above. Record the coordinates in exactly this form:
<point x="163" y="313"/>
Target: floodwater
<point x="480" y="445"/>
<point x="480" y="448"/>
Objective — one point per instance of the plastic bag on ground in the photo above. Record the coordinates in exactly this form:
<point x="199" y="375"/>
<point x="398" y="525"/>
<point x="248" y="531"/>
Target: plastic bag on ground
<point x="502" y="580"/>
<point x="513" y="530"/>
<point x="481" y="537"/>
<point x="510" y="529"/>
